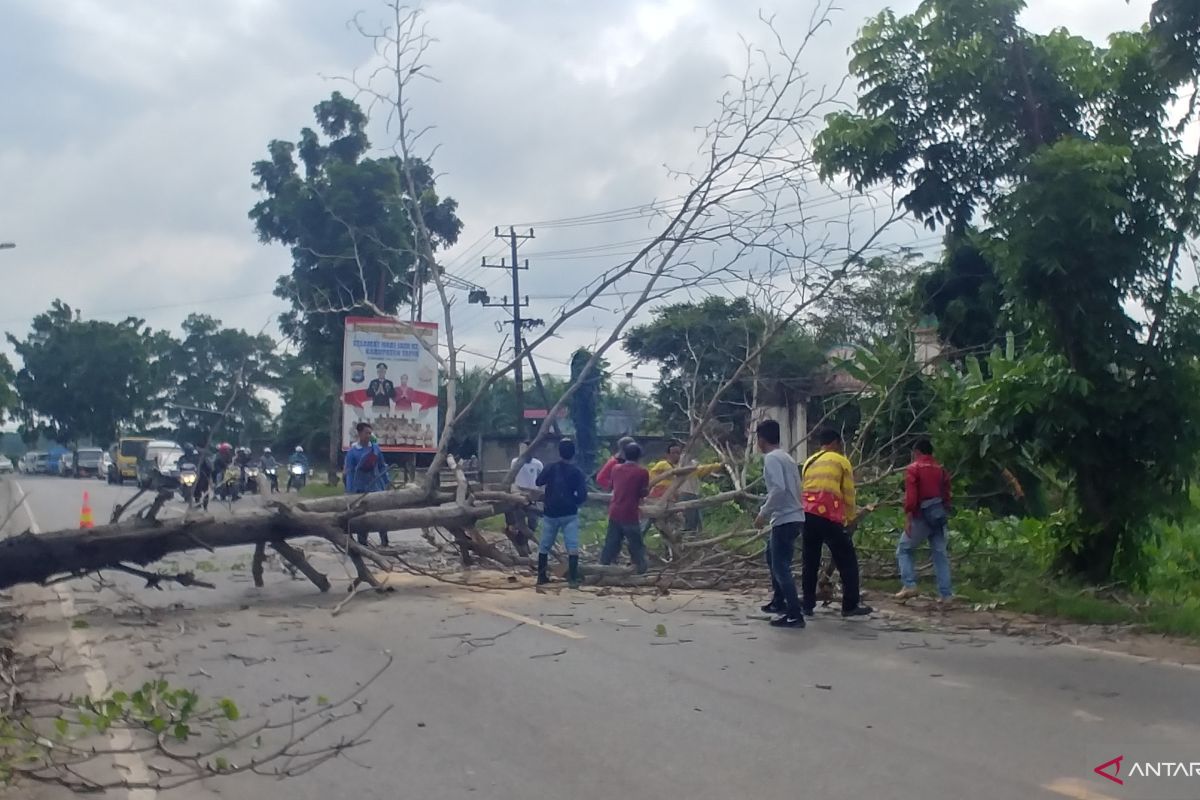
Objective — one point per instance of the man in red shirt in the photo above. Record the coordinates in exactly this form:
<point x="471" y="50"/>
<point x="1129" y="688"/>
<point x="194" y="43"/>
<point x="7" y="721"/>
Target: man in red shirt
<point x="630" y="483"/>
<point x="604" y="476"/>
<point x="926" y="505"/>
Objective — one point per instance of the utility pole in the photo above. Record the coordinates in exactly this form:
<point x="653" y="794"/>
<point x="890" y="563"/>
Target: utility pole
<point x="516" y="267"/>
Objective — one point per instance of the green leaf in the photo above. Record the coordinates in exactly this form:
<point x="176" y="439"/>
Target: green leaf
<point x="229" y="709"/>
<point x="61" y="725"/>
<point x="182" y="731"/>
<point x="322" y="700"/>
<point x="222" y="763"/>
<point x="79" y="623"/>
<point x="660" y="630"/>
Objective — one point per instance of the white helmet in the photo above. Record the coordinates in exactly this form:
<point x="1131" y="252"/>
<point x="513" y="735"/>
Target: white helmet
<point x="299" y="449"/>
<point x="266" y="451"/>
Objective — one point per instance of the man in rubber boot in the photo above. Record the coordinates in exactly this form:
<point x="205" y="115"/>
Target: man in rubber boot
<point x="566" y="491"/>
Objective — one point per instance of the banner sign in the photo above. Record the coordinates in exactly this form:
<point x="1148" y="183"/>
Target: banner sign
<point x="390" y="379"/>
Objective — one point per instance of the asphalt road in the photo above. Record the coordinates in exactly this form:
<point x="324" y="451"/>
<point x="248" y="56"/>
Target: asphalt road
<point x="514" y="695"/>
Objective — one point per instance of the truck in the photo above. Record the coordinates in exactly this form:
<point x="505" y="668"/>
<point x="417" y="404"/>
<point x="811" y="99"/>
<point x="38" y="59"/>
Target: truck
<point x="126" y="454"/>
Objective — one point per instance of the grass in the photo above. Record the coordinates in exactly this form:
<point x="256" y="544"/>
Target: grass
<point x="316" y="489"/>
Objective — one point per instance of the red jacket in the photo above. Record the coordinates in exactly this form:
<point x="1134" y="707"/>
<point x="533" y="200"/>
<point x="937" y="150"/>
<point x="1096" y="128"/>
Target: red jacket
<point x="925" y="479"/>
<point x="604" y="476"/>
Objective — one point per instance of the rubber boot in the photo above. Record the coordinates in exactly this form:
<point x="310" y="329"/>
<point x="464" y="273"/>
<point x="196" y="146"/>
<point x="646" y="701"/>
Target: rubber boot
<point x="543" y="560"/>
<point x="573" y="571"/>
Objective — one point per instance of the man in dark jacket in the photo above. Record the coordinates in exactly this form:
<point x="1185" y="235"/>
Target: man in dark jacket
<point x="566" y="491"/>
<point x="926" y="504"/>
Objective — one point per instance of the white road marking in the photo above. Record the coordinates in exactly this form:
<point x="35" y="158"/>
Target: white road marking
<point x="1075" y="788"/>
<point x="536" y="623"/>
<point x="1132" y="657"/>
<point x="97" y="680"/>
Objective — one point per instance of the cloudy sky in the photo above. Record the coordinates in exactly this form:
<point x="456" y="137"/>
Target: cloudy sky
<point x="129" y="127"/>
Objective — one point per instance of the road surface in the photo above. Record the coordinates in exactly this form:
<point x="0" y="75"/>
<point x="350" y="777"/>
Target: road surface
<point x="512" y="695"/>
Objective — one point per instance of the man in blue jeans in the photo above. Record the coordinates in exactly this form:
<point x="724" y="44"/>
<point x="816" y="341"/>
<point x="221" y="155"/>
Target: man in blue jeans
<point x="566" y="491"/>
<point x="926" y="506"/>
<point x="365" y="471"/>
<point x="785" y="514"/>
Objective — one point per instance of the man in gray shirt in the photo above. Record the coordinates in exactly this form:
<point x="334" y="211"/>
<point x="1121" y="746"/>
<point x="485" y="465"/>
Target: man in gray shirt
<point x="783" y="511"/>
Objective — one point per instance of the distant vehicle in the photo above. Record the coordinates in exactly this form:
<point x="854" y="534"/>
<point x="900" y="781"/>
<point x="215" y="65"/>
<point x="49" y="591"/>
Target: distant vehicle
<point x="35" y="463"/>
<point x="89" y="462"/>
<point x="297" y="476"/>
<point x="106" y="466"/>
<point x="66" y="465"/>
<point x="54" y="460"/>
<point x="6" y="466"/>
<point x="125" y="455"/>
<point x="161" y="458"/>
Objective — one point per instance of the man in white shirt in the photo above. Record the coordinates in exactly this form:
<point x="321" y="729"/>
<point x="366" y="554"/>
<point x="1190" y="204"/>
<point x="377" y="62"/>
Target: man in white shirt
<point x="526" y="479"/>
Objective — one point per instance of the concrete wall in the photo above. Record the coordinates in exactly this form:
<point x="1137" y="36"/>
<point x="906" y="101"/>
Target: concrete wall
<point x="793" y="426"/>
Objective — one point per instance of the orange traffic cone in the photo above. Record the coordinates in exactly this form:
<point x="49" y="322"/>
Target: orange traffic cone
<point x="85" y="514"/>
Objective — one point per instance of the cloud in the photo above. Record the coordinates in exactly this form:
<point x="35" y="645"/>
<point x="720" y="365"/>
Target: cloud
<point x="130" y="128"/>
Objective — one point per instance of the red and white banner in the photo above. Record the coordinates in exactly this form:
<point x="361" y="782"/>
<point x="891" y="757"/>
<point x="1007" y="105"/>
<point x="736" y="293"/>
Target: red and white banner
<point x="390" y="379"/>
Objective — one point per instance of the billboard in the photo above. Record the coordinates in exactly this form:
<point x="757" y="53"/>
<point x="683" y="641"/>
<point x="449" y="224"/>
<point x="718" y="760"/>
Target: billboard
<point x="390" y="379"/>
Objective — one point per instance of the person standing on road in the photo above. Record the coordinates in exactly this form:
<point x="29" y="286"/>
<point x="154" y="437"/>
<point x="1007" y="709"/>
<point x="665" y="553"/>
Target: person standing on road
<point x="566" y="491"/>
<point x="783" y="512"/>
<point x="630" y="483"/>
<point x="926" y="506"/>
<point x="604" y="476"/>
<point x="526" y="480"/>
<point x="829" y="496"/>
<point x="365" y="471"/>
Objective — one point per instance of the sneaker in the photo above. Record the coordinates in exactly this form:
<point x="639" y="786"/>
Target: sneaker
<point x="773" y="608"/>
<point x="945" y="601"/>
<point x="858" y="611"/>
<point x="788" y="622"/>
<point x="907" y="592"/>
<point x="809" y="612"/>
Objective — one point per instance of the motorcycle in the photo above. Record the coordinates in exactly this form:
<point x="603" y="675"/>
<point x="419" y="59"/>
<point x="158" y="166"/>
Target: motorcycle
<point x="225" y="487"/>
<point x="250" y="480"/>
<point x="187" y="482"/>
<point x="272" y="474"/>
<point x="297" y="476"/>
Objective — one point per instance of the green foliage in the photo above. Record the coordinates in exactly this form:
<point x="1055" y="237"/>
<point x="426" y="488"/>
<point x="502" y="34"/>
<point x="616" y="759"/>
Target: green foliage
<point x="700" y="346"/>
<point x="585" y="409"/>
<point x="212" y="367"/>
<point x="1065" y="149"/>
<point x="83" y="378"/>
<point x="8" y="392"/>
<point x="306" y="415"/>
<point x="964" y="294"/>
<point x="347" y="221"/>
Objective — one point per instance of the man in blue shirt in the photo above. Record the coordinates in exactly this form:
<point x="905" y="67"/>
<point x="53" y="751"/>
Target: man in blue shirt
<point x="366" y="471"/>
<point x="566" y="491"/>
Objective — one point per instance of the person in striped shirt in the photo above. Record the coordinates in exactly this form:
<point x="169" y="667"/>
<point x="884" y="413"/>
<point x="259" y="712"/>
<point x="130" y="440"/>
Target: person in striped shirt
<point x="828" y="494"/>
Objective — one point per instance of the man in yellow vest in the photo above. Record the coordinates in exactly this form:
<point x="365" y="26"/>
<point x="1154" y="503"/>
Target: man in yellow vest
<point x="828" y="496"/>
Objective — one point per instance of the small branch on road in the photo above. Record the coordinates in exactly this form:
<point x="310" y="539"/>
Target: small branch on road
<point x="154" y="580"/>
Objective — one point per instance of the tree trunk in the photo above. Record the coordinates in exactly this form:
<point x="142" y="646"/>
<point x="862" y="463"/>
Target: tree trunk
<point x="31" y="558"/>
<point x="335" y="431"/>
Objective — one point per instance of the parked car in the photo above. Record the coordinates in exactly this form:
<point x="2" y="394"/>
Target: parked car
<point x="28" y="463"/>
<point x="65" y="467"/>
<point x="37" y="463"/>
<point x="6" y="466"/>
<point x="89" y="462"/>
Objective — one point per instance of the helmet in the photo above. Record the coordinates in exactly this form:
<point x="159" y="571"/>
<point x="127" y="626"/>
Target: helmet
<point x="266" y="451"/>
<point x="299" y="449"/>
<point x="224" y="447"/>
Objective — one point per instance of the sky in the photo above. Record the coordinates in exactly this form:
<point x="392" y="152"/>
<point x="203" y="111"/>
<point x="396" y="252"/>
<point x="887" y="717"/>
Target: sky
<point x="129" y="128"/>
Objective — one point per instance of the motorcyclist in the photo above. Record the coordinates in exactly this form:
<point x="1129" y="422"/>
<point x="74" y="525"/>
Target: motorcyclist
<point x="298" y="456"/>
<point x="192" y="456"/>
<point x="242" y="458"/>
<point x="223" y="461"/>
<point x="270" y="468"/>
